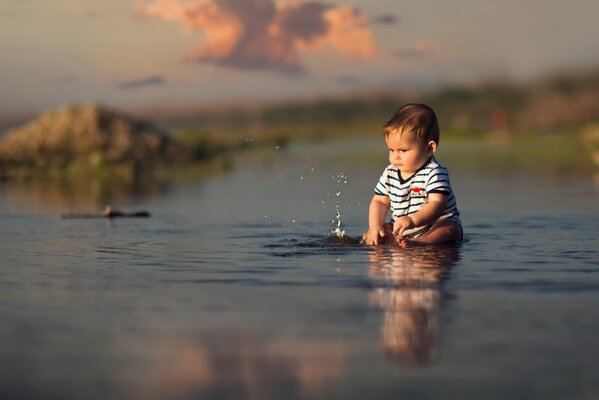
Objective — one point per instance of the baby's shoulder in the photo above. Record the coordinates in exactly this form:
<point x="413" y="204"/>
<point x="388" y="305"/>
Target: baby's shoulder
<point x="433" y="166"/>
<point x="390" y="169"/>
<point x="433" y="170"/>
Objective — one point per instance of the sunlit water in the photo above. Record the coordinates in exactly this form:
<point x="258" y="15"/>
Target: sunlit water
<point x="235" y="288"/>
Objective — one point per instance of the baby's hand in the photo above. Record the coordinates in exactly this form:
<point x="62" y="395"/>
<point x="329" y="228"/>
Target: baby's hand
<point x="401" y="224"/>
<point x="374" y="235"/>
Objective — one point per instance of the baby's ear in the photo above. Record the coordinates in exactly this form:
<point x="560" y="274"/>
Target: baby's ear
<point x="432" y="146"/>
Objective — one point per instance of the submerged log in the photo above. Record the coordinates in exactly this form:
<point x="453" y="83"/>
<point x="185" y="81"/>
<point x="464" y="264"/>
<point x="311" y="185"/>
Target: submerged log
<point x="109" y="213"/>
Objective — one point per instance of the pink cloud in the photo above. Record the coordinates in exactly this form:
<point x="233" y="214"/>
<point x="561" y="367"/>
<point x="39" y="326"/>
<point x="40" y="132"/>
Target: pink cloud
<point x="262" y="34"/>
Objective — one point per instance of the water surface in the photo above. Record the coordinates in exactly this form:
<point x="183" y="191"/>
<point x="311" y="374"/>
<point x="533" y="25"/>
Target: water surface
<point x="233" y="290"/>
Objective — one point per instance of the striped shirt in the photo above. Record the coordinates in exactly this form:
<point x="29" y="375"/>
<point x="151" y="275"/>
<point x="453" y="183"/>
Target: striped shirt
<point x="407" y="196"/>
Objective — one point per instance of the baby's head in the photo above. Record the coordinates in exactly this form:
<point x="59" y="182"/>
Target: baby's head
<point x="412" y="135"/>
<point x="419" y="119"/>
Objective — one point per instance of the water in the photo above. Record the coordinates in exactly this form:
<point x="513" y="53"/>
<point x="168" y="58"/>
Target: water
<point x="235" y="288"/>
<point x="337" y="231"/>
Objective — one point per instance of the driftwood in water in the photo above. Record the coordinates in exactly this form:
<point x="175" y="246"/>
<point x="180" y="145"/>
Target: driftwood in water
<point x="109" y="213"/>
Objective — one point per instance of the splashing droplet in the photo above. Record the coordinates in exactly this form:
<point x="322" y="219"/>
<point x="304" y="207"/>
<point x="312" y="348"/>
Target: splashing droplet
<point x="340" y="178"/>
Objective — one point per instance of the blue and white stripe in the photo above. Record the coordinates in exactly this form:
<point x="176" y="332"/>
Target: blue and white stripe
<point x="409" y="195"/>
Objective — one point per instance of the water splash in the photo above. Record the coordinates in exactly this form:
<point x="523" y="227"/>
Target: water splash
<point x="340" y="178"/>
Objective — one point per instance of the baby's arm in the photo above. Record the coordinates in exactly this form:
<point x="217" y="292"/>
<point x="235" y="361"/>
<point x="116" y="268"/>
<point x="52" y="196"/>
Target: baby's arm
<point x="376" y="219"/>
<point x="429" y="213"/>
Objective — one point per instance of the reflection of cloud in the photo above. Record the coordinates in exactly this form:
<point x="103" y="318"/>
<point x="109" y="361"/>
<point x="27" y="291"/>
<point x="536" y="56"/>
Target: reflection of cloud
<point x="385" y="19"/>
<point x="90" y="14"/>
<point x="141" y="82"/>
<point x="423" y="48"/>
<point x="262" y="34"/>
<point x="245" y="367"/>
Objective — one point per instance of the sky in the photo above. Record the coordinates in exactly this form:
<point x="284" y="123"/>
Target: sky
<point x="129" y="53"/>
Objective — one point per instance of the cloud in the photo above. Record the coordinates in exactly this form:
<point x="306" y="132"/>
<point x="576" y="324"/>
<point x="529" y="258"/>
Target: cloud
<point x="262" y="34"/>
<point x="141" y="82"/>
<point x="422" y="48"/>
<point x="385" y="19"/>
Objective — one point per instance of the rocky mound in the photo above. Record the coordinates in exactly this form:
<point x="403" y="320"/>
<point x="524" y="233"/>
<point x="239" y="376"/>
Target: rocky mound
<point x="88" y="135"/>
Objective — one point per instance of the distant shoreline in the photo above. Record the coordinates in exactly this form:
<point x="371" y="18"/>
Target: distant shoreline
<point x="559" y="102"/>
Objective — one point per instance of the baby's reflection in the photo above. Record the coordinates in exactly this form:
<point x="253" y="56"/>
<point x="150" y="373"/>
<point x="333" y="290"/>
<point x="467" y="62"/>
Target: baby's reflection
<point x="408" y="289"/>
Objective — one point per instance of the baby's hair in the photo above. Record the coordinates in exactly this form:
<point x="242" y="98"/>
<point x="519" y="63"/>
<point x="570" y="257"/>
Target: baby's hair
<point x="417" y="118"/>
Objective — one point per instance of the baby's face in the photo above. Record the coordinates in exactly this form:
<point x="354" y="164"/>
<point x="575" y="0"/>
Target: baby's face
<point x="407" y="152"/>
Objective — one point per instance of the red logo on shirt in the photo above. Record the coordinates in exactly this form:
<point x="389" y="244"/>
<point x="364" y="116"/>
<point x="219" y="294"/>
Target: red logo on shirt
<point x="416" y="189"/>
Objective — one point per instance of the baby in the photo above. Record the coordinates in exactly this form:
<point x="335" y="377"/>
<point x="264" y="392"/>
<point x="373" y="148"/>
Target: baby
<point x="414" y="186"/>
